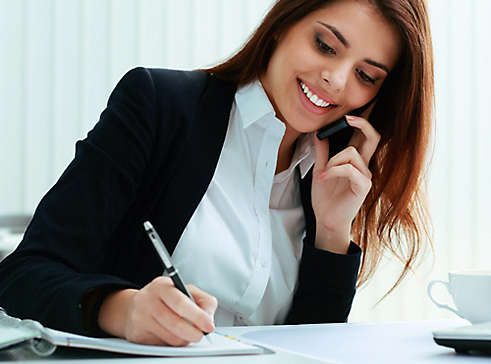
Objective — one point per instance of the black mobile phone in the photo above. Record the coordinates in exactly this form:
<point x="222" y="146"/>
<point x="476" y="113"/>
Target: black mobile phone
<point x="341" y="123"/>
<point x="332" y="128"/>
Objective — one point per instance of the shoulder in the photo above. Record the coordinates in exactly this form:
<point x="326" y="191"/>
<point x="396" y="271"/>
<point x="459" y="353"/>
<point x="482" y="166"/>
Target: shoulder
<point x="175" y="88"/>
<point x="163" y="77"/>
<point x="167" y="81"/>
<point x="161" y="80"/>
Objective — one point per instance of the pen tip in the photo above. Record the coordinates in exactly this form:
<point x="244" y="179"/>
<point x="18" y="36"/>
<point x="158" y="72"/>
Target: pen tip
<point x="147" y="225"/>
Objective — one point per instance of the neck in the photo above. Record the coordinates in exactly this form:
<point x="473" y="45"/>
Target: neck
<point x="287" y="146"/>
<point x="286" y="149"/>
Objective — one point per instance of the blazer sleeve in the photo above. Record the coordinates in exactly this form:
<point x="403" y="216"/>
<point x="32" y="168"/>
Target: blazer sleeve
<point x="63" y="250"/>
<point x="326" y="285"/>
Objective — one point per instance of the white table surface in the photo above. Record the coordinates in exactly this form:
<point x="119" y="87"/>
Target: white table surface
<point x="363" y="343"/>
<point x="395" y="342"/>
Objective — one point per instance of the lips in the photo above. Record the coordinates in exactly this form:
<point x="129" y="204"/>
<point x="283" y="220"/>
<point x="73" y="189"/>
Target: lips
<point x="318" y="92"/>
<point x="323" y="103"/>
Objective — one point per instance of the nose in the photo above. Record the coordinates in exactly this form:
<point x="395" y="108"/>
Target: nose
<point x="337" y="77"/>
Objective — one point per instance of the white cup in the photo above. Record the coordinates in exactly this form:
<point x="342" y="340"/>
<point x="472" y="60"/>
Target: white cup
<point x="471" y="293"/>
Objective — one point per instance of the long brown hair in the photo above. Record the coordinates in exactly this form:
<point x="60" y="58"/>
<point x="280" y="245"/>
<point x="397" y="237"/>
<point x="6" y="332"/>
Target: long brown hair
<point x="394" y="216"/>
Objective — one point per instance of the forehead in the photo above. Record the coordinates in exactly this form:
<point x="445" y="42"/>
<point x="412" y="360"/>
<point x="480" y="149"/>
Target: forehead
<point x="368" y="33"/>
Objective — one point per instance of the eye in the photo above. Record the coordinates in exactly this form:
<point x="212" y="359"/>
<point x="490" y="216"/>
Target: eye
<point x="323" y="47"/>
<point x="365" y="77"/>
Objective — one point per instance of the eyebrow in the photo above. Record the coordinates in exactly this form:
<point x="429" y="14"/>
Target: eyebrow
<point x="343" y="40"/>
<point x="376" y="64"/>
<point x="336" y="32"/>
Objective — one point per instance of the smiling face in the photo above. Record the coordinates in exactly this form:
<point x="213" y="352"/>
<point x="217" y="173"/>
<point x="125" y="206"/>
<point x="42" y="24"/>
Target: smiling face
<point x="332" y="61"/>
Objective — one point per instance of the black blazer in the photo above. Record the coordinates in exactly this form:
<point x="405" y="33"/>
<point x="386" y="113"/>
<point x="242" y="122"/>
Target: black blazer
<point x="150" y="157"/>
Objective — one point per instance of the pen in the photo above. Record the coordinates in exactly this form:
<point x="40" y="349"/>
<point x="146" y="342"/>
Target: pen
<point x="168" y="266"/>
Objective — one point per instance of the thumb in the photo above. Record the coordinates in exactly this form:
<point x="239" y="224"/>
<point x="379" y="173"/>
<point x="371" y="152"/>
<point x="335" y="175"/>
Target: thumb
<point x="321" y="154"/>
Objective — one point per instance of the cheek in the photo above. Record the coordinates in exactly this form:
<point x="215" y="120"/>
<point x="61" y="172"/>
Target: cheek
<point x="284" y="82"/>
<point x="281" y="70"/>
<point x="298" y="57"/>
<point x="358" y="95"/>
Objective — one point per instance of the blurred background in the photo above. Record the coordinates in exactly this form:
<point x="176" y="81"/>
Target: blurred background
<point x="60" y="59"/>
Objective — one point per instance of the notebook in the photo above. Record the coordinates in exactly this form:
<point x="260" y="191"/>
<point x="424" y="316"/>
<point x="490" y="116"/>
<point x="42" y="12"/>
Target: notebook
<point x="43" y="341"/>
<point x="463" y="339"/>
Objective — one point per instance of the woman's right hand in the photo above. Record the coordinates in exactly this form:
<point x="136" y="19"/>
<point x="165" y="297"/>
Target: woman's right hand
<point x="158" y="314"/>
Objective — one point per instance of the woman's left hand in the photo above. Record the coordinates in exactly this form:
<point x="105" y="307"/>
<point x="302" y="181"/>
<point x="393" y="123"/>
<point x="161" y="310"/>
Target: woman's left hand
<point x="340" y="185"/>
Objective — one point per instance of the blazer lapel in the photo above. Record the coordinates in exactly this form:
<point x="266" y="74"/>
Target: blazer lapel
<point x="204" y="142"/>
<point x="306" y="196"/>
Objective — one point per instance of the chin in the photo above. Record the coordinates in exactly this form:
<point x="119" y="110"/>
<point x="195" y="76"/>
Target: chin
<point x="306" y="127"/>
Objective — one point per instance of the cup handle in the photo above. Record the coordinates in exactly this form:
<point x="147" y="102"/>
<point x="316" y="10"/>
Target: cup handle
<point x="430" y="286"/>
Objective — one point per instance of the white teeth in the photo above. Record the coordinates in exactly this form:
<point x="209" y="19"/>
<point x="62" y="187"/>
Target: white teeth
<point x="316" y="100"/>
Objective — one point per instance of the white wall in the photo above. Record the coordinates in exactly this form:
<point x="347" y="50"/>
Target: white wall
<point x="61" y="58"/>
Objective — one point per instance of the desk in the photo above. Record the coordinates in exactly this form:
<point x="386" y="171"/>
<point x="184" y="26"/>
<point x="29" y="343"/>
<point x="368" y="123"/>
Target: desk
<point x="397" y="342"/>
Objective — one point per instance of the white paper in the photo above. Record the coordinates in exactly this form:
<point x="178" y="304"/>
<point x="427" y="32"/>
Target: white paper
<point x="219" y="345"/>
<point x="13" y="335"/>
<point x="388" y="343"/>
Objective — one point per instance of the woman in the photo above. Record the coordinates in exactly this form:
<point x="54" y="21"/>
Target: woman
<point x="257" y="212"/>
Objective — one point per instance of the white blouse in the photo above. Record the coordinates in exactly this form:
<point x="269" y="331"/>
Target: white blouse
<point x="236" y="246"/>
